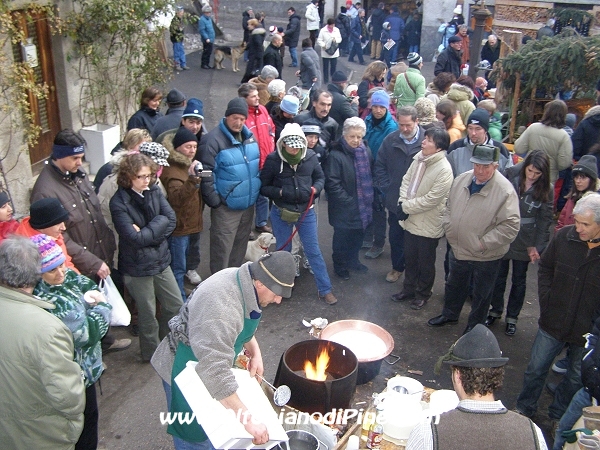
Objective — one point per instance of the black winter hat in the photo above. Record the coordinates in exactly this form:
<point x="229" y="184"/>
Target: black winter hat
<point x="47" y="212"/>
<point x="479" y="117"/>
<point x="175" y="96"/>
<point x="237" y="106"/>
<point x="182" y="136"/>
<point x="339" y="77"/>
<point x="588" y="166"/>
<point x="477" y="348"/>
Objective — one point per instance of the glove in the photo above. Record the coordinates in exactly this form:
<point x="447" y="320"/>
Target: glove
<point x="400" y="213"/>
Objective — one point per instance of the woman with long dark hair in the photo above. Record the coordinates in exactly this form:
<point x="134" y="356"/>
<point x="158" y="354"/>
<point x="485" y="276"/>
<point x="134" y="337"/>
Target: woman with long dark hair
<point x="585" y="179"/>
<point x="531" y="180"/>
<point x="446" y="112"/>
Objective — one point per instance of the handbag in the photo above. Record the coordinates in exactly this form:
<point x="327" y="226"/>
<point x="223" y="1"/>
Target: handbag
<point x="332" y="48"/>
<point x="120" y="315"/>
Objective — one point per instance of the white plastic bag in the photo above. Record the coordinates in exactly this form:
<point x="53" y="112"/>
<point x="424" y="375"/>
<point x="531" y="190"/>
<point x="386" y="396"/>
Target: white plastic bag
<point x="120" y="315"/>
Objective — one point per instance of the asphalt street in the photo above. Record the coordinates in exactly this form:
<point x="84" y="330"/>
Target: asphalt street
<point x="131" y="395"/>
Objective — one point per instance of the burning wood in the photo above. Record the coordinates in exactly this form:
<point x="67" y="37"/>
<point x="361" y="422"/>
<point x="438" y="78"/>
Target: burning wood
<point x="318" y="371"/>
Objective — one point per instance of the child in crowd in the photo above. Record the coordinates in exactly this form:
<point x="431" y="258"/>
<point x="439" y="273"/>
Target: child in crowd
<point x="7" y="224"/>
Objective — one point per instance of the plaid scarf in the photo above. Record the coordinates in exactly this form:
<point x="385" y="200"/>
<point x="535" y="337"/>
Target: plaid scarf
<point x="364" y="182"/>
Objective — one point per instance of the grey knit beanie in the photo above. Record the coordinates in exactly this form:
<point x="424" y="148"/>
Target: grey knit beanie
<point x="277" y="271"/>
<point x="587" y="166"/>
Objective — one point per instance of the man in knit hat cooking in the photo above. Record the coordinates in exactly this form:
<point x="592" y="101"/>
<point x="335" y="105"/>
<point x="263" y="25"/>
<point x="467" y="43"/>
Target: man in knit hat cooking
<point x="215" y="325"/>
<point x="479" y="421"/>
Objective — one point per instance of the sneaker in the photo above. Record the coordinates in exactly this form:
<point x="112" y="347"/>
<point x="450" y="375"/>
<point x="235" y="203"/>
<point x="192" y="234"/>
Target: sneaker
<point x="329" y="298"/>
<point x="178" y="68"/>
<point x="193" y="276"/>
<point x="186" y="68"/>
<point x="393" y="276"/>
<point x="297" y="258"/>
<point x="374" y="252"/>
<point x="560" y="367"/>
<point x="118" y="345"/>
<point x="306" y="265"/>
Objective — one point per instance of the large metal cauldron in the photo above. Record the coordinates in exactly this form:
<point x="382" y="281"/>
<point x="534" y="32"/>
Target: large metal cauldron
<point x="318" y="396"/>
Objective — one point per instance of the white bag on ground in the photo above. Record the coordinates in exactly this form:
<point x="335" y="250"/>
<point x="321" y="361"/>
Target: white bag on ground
<point x="120" y="315"/>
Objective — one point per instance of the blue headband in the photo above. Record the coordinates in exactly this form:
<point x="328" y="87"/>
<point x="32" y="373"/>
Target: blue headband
<point x="62" y="151"/>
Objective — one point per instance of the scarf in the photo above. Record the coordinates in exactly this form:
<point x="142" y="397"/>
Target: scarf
<point x="364" y="182"/>
<point x="415" y="181"/>
<point x="292" y="160"/>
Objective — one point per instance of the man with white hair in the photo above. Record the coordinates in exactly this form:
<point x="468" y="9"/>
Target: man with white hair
<point x="267" y="74"/>
<point x="272" y="56"/>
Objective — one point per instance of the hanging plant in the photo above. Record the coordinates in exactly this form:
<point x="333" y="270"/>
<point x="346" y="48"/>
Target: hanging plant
<point x="117" y="52"/>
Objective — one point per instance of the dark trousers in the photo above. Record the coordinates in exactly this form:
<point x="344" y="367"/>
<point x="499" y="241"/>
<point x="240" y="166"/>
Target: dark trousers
<point x="396" y="236"/>
<point x="357" y="50"/>
<point x="89" y="435"/>
<point x="329" y="67"/>
<point x="206" y="52"/>
<point x="483" y="275"/>
<point x="346" y="245"/>
<point x="419" y="275"/>
<point x="376" y="230"/>
<point x="193" y="253"/>
<point x="517" y="290"/>
<point x="312" y="35"/>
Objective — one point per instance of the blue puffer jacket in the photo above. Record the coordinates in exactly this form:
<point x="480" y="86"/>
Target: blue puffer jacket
<point x="206" y="29"/>
<point x="377" y="133"/>
<point x="234" y="164"/>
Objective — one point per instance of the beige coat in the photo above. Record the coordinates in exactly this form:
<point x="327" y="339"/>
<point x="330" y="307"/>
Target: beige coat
<point x="554" y="141"/>
<point x="425" y="211"/>
<point x="481" y="227"/>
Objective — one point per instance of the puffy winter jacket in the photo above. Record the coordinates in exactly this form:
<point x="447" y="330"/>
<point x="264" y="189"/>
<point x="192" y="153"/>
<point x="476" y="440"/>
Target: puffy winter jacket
<point x="426" y="209"/>
<point x="310" y="68"/>
<point x="377" y="133"/>
<point x="292" y="31"/>
<point x="410" y="86"/>
<point x="234" y="164"/>
<point x="587" y="133"/>
<point x="396" y="26"/>
<point x="342" y="22"/>
<point x="144" y="118"/>
<point x="206" y="28"/>
<point x="260" y="124"/>
<point x="312" y="17"/>
<point x="146" y="252"/>
<point x="462" y="96"/>
<point x="290" y="186"/>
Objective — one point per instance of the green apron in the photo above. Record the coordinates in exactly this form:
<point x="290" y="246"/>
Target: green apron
<point x="193" y="432"/>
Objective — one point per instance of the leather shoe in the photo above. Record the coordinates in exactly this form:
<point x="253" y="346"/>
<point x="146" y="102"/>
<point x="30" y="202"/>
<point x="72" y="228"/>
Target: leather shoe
<point x="440" y="321"/>
<point x="343" y="273"/>
<point x="511" y="329"/>
<point x="467" y="329"/>
<point x="402" y="296"/>
<point x="418" y="303"/>
<point x="264" y="229"/>
<point x="490" y="321"/>
<point x="360" y="268"/>
<point x="329" y="299"/>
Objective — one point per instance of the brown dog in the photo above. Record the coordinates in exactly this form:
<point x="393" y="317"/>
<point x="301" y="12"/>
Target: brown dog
<point x="233" y="53"/>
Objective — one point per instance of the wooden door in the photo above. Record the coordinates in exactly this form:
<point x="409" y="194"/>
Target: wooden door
<point x="45" y="112"/>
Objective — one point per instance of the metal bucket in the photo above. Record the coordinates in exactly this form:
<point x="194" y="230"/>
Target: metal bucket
<point x="301" y="440"/>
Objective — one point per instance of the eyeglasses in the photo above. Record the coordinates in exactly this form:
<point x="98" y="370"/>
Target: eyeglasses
<point x="144" y="177"/>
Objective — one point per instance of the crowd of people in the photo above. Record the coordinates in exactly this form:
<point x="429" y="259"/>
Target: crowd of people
<point x="408" y="160"/>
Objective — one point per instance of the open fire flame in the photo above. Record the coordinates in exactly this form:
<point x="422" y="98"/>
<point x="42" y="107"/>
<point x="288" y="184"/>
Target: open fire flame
<point x="317" y="371"/>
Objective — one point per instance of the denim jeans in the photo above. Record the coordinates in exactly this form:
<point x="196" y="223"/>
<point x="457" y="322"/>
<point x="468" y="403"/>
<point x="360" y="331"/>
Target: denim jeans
<point x="179" y="247"/>
<point x="394" y="51"/>
<point x="346" y="244"/>
<point x="294" y="56"/>
<point x="517" y="290"/>
<point x="179" y="54"/>
<point x="581" y="399"/>
<point x="329" y="68"/>
<point x="307" y="230"/>
<point x="396" y="237"/>
<point x="413" y="48"/>
<point x="483" y="275"/>
<point x="262" y="211"/>
<point x="179" y="443"/>
<point x="545" y="348"/>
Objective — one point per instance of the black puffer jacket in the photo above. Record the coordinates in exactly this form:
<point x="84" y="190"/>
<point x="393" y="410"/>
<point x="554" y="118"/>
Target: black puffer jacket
<point x="144" y="118"/>
<point x="340" y="184"/>
<point x="292" y="32"/>
<point x="341" y="108"/>
<point x="143" y="253"/>
<point x="289" y="188"/>
<point x="587" y="134"/>
<point x="448" y="61"/>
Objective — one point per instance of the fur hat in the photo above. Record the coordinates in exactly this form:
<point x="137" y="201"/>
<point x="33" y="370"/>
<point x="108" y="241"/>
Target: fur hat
<point x="277" y="271"/>
<point x="290" y="104"/>
<point x="175" y="96"/>
<point x="477" y="348"/>
<point x="586" y="165"/>
<point x="156" y="151"/>
<point x="380" y="98"/>
<point x="414" y="59"/>
<point x="237" y="106"/>
<point x="182" y="136"/>
<point x="479" y="117"/>
<point x="52" y="255"/>
<point x="47" y="212"/>
<point x="339" y="77"/>
<point x="194" y="108"/>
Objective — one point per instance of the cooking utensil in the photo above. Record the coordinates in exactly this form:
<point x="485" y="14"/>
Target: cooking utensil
<point x="302" y="440"/>
<point x="282" y="394"/>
